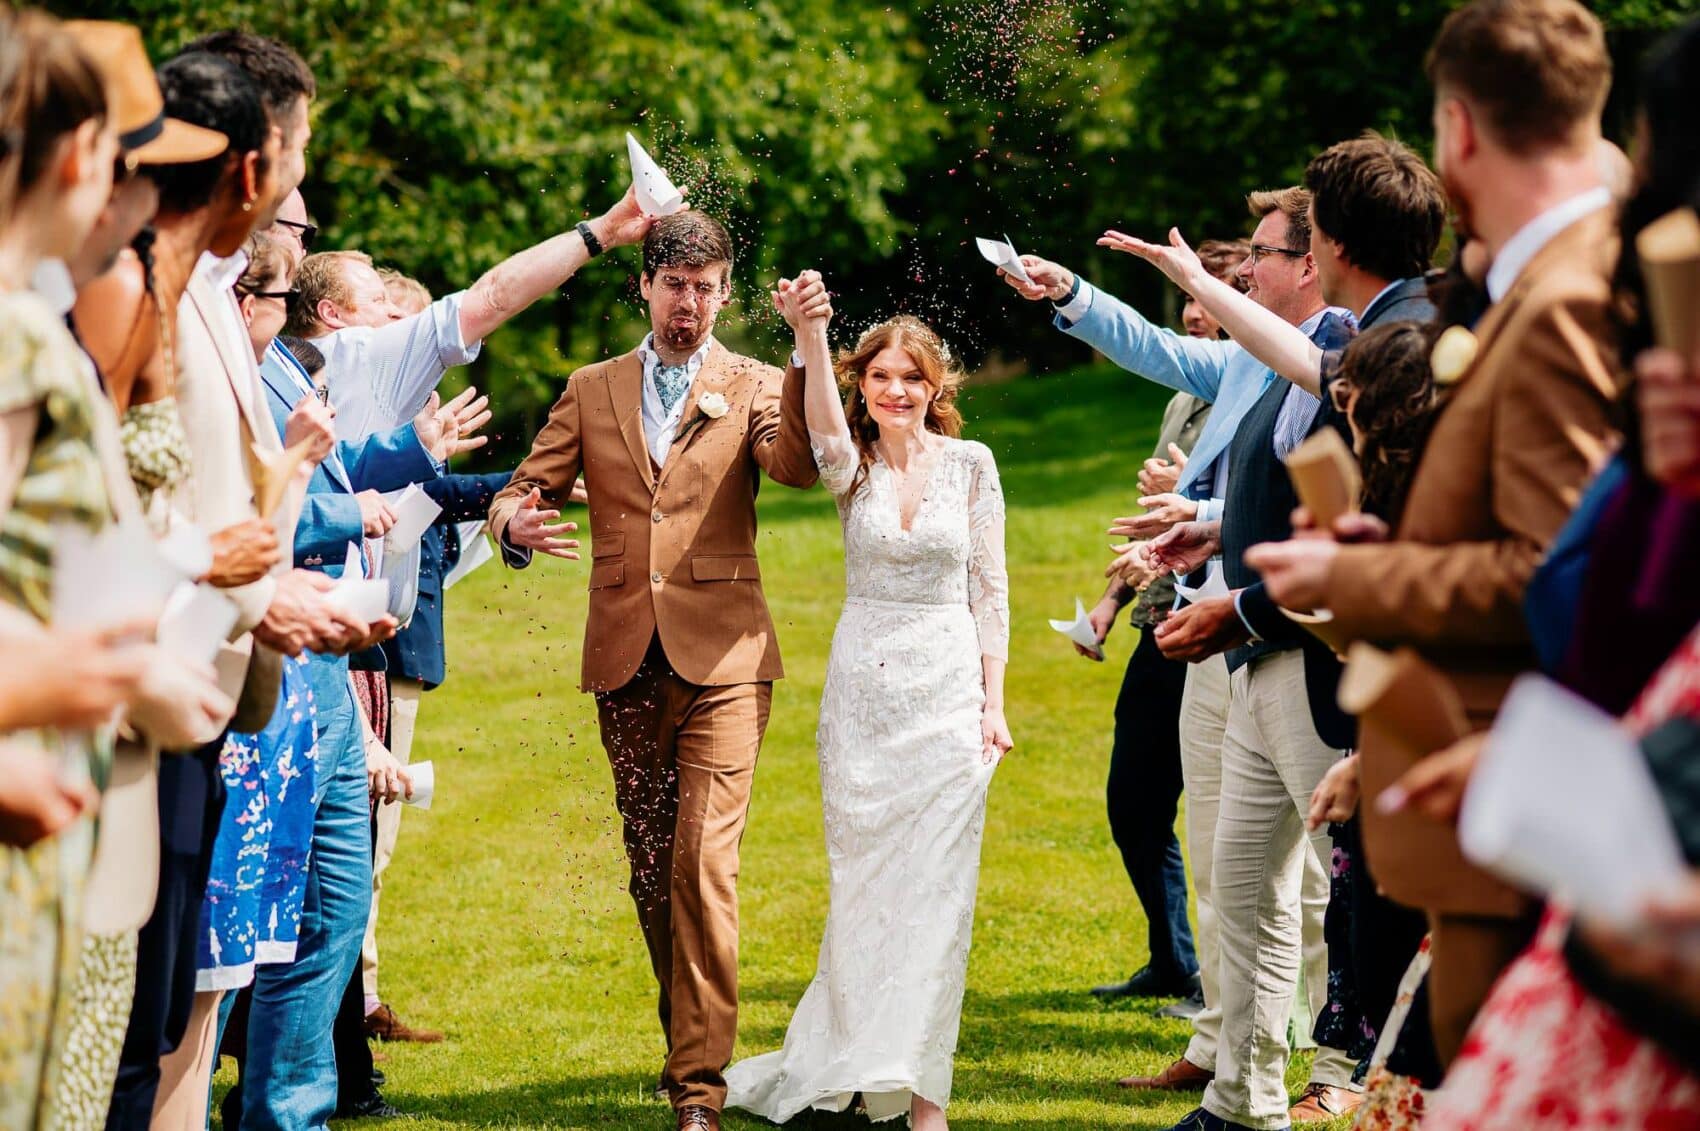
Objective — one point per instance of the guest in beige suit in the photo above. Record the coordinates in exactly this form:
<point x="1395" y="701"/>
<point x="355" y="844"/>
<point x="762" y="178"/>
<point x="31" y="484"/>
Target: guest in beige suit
<point x="1519" y="86"/>
<point x="206" y="211"/>
<point x="678" y="646"/>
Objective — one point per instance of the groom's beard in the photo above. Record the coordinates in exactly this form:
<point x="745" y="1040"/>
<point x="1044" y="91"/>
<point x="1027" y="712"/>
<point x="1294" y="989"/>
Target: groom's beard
<point x="685" y="338"/>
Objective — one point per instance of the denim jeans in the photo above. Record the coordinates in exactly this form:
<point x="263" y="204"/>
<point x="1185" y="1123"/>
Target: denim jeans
<point x="289" y="1080"/>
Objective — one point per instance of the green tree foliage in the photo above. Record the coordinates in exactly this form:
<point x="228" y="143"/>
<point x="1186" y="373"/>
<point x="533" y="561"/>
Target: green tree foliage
<point x="870" y="139"/>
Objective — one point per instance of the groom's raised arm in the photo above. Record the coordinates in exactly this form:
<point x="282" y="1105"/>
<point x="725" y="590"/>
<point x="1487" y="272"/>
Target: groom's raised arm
<point x="779" y="431"/>
<point x="551" y="469"/>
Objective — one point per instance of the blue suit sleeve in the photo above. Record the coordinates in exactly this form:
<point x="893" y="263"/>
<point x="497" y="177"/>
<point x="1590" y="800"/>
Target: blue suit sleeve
<point x="1126" y="337"/>
<point x="388" y="461"/>
<point x="329" y="522"/>
<point x="465" y="498"/>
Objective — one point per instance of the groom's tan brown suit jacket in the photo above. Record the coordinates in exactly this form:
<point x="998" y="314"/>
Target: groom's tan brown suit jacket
<point x="672" y="549"/>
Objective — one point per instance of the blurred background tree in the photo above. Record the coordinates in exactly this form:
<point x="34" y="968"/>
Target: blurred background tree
<point x="870" y="140"/>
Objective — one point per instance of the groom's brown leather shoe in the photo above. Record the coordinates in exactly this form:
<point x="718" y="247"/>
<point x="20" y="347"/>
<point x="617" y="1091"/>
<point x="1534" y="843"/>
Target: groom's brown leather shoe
<point x="695" y="1117"/>
<point x="1181" y="1076"/>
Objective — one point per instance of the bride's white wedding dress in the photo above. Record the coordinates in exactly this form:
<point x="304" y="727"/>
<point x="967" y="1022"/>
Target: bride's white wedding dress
<point x="903" y="785"/>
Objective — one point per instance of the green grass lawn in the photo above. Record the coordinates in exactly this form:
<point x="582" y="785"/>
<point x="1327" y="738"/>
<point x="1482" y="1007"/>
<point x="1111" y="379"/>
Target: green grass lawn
<point x="506" y="919"/>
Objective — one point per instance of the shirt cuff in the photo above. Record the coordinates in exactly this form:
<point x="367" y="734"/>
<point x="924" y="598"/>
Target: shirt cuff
<point x="1239" y="612"/>
<point x="1209" y="510"/>
<point x="452" y="349"/>
<point x="1074" y="308"/>
<point x="797" y="359"/>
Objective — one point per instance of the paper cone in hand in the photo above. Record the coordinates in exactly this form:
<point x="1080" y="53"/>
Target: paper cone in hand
<point x="1407" y="710"/>
<point x="1320" y="624"/>
<point x="1669" y="249"/>
<point x="1325" y="475"/>
<point x="272" y="472"/>
<point x="655" y="191"/>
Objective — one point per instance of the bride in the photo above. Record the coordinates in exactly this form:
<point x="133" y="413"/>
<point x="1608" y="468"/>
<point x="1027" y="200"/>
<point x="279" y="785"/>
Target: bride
<point x="911" y="728"/>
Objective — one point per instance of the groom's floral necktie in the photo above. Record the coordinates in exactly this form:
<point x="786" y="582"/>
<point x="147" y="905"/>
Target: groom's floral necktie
<point x="671" y="381"/>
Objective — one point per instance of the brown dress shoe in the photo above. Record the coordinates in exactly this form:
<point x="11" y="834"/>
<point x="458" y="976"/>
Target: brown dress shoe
<point x="1181" y="1076"/>
<point x="383" y="1025"/>
<point x="1323" y="1102"/>
<point x="695" y="1117"/>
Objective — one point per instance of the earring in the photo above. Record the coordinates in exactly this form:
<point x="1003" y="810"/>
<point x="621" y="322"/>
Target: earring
<point x="247" y="206"/>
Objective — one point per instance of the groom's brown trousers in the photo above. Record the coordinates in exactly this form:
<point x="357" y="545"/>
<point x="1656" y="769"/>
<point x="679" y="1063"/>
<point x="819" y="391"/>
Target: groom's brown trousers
<point x="683" y="758"/>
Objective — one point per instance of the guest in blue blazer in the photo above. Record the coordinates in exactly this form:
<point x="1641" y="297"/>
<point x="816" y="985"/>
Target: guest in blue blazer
<point x="294" y="1006"/>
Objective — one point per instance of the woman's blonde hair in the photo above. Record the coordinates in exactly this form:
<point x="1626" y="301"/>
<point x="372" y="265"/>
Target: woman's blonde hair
<point x="938" y="368"/>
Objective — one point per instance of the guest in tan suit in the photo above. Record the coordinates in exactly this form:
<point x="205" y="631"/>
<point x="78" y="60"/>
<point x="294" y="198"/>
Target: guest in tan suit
<point x="678" y="646"/>
<point x="1519" y="85"/>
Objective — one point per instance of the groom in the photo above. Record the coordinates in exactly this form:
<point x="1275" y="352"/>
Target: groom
<point x="678" y="646"/>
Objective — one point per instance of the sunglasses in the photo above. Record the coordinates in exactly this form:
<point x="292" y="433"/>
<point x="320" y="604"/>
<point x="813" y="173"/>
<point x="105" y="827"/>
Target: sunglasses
<point x="1259" y="250"/>
<point x="289" y="297"/>
<point x="306" y="233"/>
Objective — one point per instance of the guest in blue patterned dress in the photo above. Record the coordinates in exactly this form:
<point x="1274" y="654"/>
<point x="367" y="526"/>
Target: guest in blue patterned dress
<point x="258" y="879"/>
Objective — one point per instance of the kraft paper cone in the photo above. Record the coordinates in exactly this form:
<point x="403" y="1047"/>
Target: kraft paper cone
<point x="1325" y="475"/>
<point x="272" y="472"/>
<point x="1320" y="624"/>
<point x="1407" y="711"/>
<point x="1669" y="249"/>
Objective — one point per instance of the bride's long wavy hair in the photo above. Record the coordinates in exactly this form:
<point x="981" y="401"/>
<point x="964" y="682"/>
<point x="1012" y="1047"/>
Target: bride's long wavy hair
<point x="939" y="369"/>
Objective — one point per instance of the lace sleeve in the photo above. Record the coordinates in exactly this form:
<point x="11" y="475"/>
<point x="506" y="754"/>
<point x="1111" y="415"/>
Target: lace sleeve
<point x="837" y="458"/>
<point x="988" y="573"/>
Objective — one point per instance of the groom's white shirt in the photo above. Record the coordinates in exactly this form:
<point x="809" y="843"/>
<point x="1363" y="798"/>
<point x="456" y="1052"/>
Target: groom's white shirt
<point x="660" y="426"/>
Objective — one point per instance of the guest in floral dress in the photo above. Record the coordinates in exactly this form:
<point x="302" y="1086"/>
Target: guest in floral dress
<point x="58" y="178"/>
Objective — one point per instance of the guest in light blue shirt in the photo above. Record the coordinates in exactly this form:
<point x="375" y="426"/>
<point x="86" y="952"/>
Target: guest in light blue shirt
<point x="381" y="365"/>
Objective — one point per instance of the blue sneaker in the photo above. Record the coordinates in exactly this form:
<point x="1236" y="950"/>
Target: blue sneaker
<point x="1200" y="1120"/>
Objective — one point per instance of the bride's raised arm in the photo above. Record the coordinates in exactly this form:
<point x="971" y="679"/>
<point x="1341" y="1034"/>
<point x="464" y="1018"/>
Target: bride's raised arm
<point x="807" y="309"/>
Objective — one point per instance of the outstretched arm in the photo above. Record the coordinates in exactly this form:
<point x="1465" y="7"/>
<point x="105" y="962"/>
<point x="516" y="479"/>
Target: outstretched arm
<point x="522" y="279"/>
<point x="521" y="513"/>
<point x="1268" y="337"/>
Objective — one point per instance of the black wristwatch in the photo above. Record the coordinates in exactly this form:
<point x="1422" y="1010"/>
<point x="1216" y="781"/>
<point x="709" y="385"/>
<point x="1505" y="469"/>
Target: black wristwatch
<point x="591" y="243"/>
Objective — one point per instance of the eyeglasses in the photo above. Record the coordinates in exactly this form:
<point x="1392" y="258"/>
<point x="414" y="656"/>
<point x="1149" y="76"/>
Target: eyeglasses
<point x="1259" y="250"/>
<point x="1342" y="392"/>
<point x="306" y="233"/>
<point x="289" y="297"/>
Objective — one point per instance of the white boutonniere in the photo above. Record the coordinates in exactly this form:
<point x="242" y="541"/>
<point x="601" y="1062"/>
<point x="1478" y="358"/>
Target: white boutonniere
<point x="710" y="406"/>
<point x="1453" y="352"/>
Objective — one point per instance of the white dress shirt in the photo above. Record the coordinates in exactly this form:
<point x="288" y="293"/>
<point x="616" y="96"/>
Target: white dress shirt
<point x="381" y="376"/>
<point x="1536" y="234"/>
<point x="221" y="275"/>
<point x="660" y="427"/>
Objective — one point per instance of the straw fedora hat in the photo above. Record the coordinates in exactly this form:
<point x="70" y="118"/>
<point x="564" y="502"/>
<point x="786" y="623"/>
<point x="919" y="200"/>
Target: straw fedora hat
<point x="145" y="134"/>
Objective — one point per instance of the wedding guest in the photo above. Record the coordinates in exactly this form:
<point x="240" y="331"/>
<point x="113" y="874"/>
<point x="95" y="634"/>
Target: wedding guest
<point x="416" y="664"/>
<point x="1519" y="85"/>
<point x="55" y="180"/>
<point x="1281" y="276"/>
<point x="205" y="206"/>
<point x="1144" y="786"/>
<point x="380" y="367"/>
<point x="290" y="1073"/>
<point x="120" y="888"/>
<point x="1378" y="211"/>
<point x="286" y="87"/>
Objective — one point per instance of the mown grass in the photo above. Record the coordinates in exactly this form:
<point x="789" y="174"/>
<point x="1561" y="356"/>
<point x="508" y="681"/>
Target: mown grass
<point x="506" y="919"/>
